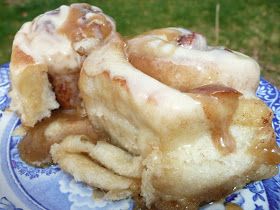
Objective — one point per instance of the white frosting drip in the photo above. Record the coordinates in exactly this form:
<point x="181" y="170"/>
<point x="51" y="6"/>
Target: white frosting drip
<point x="142" y="87"/>
<point x="44" y="44"/>
<point x="234" y="69"/>
<point x="40" y="40"/>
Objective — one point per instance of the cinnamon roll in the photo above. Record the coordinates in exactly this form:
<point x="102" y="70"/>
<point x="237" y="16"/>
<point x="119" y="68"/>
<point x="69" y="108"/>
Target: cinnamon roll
<point x="182" y="59"/>
<point x="198" y="141"/>
<point x="169" y="117"/>
<point x="47" y="56"/>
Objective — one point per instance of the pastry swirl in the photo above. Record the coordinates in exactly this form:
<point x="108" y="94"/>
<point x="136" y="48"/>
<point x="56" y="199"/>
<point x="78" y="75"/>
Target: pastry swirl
<point x="47" y="56"/>
<point x="169" y="117"/>
<point x="193" y="141"/>
<point x="182" y="59"/>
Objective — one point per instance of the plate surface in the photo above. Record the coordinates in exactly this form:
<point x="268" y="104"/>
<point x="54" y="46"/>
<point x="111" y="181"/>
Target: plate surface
<point x="26" y="187"/>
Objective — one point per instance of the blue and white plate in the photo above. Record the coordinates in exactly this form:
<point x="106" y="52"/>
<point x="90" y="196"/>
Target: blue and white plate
<point x="26" y="187"/>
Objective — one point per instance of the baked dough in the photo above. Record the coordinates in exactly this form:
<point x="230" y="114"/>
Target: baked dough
<point x="173" y="131"/>
<point x="182" y="59"/>
<point x="47" y="56"/>
<point x="184" y="123"/>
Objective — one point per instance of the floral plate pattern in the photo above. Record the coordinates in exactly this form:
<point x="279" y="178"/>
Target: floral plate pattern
<point x="26" y="187"/>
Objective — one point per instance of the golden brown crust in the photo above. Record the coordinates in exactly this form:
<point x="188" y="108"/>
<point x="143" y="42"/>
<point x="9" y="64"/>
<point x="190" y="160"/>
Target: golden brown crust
<point x="31" y="93"/>
<point x="246" y="114"/>
<point x="19" y="59"/>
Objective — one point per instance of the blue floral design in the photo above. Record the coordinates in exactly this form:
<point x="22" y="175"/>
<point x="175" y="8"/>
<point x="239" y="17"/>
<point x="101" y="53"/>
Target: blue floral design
<point x="4" y="87"/>
<point x="22" y="167"/>
<point x="5" y="204"/>
<point x="272" y="189"/>
<point x="258" y="190"/>
<point x="236" y="198"/>
<point x="271" y="96"/>
<point x="257" y="207"/>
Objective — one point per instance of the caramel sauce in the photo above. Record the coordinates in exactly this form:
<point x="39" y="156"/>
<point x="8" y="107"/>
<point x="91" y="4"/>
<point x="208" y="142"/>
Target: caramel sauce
<point x="35" y="146"/>
<point x="66" y="89"/>
<point x="267" y="151"/>
<point x="77" y="26"/>
<point x="219" y="104"/>
<point x="20" y="58"/>
<point x="98" y="194"/>
<point x="174" y="205"/>
<point x="163" y="205"/>
<point x="232" y="206"/>
<point x="178" y="205"/>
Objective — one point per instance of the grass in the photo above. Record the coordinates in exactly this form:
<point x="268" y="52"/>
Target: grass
<point x="251" y="26"/>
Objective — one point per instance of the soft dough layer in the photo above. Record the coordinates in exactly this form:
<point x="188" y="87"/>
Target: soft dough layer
<point x="172" y="133"/>
<point x="90" y="162"/>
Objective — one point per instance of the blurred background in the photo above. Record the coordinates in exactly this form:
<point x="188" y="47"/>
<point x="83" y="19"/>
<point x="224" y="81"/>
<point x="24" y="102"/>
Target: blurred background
<point x="249" y="26"/>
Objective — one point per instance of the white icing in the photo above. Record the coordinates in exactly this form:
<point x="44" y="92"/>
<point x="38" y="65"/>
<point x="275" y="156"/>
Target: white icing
<point x="86" y="45"/>
<point x="48" y="47"/>
<point x="44" y="44"/>
<point x="168" y="48"/>
<point x="233" y="68"/>
<point x="169" y="101"/>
